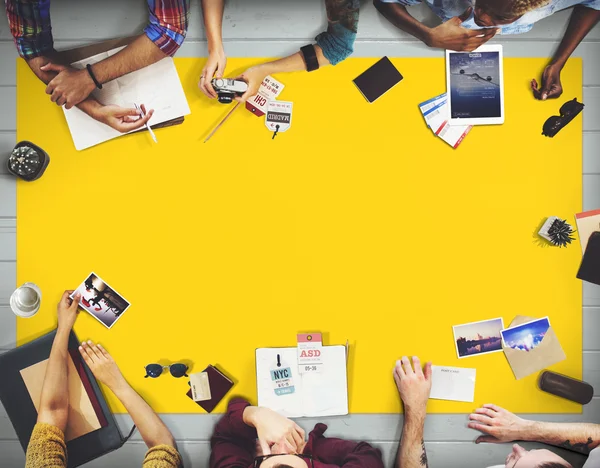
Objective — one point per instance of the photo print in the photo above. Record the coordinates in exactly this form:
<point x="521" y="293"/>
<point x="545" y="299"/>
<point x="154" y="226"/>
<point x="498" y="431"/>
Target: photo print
<point x="475" y="338"/>
<point x="526" y="336"/>
<point x="100" y="300"/>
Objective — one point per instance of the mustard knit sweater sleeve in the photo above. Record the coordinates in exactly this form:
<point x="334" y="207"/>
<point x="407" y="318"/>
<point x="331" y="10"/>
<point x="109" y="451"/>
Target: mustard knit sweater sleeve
<point x="162" y="456"/>
<point x="46" y="448"/>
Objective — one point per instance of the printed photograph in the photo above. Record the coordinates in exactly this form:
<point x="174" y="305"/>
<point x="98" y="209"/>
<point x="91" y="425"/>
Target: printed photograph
<point x="100" y="300"/>
<point x="526" y="336"/>
<point x="475" y="338"/>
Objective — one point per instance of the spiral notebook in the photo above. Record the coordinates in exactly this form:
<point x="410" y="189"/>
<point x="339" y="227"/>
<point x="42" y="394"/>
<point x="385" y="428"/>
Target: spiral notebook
<point x="314" y="394"/>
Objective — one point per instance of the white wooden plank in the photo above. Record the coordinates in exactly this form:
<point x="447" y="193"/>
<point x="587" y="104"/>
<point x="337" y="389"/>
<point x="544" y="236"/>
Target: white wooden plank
<point x="591" y="370"/>
<point x="8" y="280"/>
<point x="591" y="113"/>
<point x="196" y="454"/>
<point x="8" y="103"/>
<point x="267" y="19"/>
<point x="8" y="240"/>
<point x="591" y="328"/>
<point x="7" y="143"/>
<point x="591" y="152"/>
<point x="8" y="196"/>
<point x="8" y="332"/>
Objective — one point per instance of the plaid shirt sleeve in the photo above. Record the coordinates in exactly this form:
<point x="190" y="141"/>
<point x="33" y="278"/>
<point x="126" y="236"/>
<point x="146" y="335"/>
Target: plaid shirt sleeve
<point x="168" y="23"/>
<point x="29" y="22"/>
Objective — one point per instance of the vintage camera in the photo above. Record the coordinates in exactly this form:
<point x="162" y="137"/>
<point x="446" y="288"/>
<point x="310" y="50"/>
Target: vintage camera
<point x="227" y="89"/>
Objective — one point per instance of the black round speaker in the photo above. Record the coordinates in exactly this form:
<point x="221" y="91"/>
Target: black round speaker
<point x="28" y="161"/>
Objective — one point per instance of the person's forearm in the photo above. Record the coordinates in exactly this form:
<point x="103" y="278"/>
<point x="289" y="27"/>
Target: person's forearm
<point x="292" y="63"/>
<point x="583" y="19"/>
<point x="152" y="429"/>
<point x="54" y="403"/>
<point x="411" y="453"/>
<point x="139" y="54"/>
<point x="212" y="11"/>
<point x="578" y="437"/>
<point x="399" y="16"/>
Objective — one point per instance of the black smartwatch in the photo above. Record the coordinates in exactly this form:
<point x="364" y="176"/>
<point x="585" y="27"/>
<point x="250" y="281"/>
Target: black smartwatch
<point x="310" y="57"/>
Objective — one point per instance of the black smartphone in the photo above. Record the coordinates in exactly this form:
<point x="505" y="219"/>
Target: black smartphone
<point x="378" y="79"/>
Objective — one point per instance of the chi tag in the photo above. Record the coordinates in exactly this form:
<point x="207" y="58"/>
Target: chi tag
<point x="279" y="116"/>
<point x="310" y="355"/>
<point x="282" y="378"/>
<point x="269" y="89"/>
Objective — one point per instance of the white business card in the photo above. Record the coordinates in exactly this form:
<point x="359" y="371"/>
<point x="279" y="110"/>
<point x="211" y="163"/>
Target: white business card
<point x="453" y="383"/>
<point x="200" y="386"/>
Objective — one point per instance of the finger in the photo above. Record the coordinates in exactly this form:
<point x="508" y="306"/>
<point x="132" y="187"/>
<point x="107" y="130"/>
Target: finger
<point x="408" y="370"/>
<point x="62" y="101"/>
<point x="428" y="372"/>
<point x="534" y="84"/>
<point x="481" y="427"/>
<point x="124" y="127"/>
<point x="487" y="439"/>
<point x="287" y="446"/>
<point x="397" y="378"/>
<point x="75" y="303"/>
<point x="93" y="349"/>
<point x="481" y="418"/>
<point x="399" y="370"/>
<point x="486" y="411"/>
<point x="103" y="351"/>
<point x="300" y="431"/>
<point x="53" y="67"/>
<point x="55" y="96"/>
<point x="495" y="408"/>
<point x="143" y="106"/>
<point x="297" y="439"/>
<point x="554" y="92"/>
<point x="87" y="355"/>
<point x="209" y="89"/>
<point x="266" y="450"/>
<point x="69" y="105"/>
<point x="417" y="366"/>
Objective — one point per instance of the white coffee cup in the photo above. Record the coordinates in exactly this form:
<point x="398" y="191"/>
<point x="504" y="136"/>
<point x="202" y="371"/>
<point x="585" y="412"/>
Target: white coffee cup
<point x="26" y="300"/>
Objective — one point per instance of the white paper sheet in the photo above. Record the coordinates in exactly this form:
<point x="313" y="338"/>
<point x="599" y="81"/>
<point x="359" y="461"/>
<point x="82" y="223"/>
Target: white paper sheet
<point x="157" y="86"/>
<point x="453" y="383"/>
<point x="316" y="394"/>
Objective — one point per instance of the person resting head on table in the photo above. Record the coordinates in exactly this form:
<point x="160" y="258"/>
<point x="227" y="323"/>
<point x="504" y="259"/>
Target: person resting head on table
<point x="47" y="446"/>
<point x="498" y="425"/>
<point x="468" y="24"/>
<point x="332" y="47"/>
<point x="281" y="443"/>
<point x="30" y="26"/>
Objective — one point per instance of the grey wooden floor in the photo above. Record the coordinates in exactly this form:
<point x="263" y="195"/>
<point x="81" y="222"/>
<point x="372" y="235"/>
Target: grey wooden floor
<point x="273" y="28"/>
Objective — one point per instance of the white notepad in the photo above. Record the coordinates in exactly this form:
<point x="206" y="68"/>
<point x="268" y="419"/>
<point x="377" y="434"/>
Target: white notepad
<point x="157" y="86"/>
<point x="315" y="394"/>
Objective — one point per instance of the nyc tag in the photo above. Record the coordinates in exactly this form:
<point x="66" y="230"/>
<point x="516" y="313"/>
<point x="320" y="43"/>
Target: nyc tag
<point x="310" y="356"/>
<point x="279" y="116"/>
<point x="282" y="378"/>
<point x="200" y="386"/>
<point x="269" y="89"/>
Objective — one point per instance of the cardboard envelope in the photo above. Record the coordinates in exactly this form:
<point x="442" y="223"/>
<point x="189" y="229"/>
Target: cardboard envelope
<point x="547" y="353"/>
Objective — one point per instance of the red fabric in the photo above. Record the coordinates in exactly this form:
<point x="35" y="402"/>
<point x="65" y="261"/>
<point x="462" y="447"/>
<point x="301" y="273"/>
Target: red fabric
<point x="234" y="444"/>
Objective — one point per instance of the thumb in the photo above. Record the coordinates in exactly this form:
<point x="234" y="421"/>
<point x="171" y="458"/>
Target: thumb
<point x="427" y="372"/>
<point x="220" y="70"/>
<point x="75" y="303"/>
<point x="53" y="67"/>
<point x="464" y="15"/>
<point x="266" y="450"/>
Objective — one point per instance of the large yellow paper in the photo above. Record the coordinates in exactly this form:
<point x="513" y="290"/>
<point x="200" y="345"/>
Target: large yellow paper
<point x="356" y="222"/>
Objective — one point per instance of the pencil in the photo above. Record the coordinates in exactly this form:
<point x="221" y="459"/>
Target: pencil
<point x="221" y="122"/>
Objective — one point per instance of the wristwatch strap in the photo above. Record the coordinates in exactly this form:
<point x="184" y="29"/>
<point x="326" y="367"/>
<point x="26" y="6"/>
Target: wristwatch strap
<point x="310" y="57"/>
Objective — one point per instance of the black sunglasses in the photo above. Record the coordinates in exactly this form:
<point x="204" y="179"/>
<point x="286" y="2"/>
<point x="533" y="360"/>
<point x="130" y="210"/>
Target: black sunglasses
<point x="155" y="370"/>
<point x="306" y="458"/>
<point x="568" y="112"/>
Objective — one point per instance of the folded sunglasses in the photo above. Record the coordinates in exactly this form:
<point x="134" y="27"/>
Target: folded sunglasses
<point x="568" y="112"/>
<point x="155" y="370"/>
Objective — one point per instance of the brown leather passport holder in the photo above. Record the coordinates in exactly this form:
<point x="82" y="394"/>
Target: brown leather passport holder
<point x="219" y="386"/>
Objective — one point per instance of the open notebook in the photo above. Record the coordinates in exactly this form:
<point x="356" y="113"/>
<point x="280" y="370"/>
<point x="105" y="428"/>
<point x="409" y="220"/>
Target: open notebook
<point x="157" y="86"/>
<point x="314" y="394"/>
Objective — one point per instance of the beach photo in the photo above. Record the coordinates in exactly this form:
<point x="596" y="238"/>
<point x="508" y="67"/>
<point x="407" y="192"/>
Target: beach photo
<point x="526" y="336"/>
<point x="475" y="338"/>
<point x="100" y="300"/>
